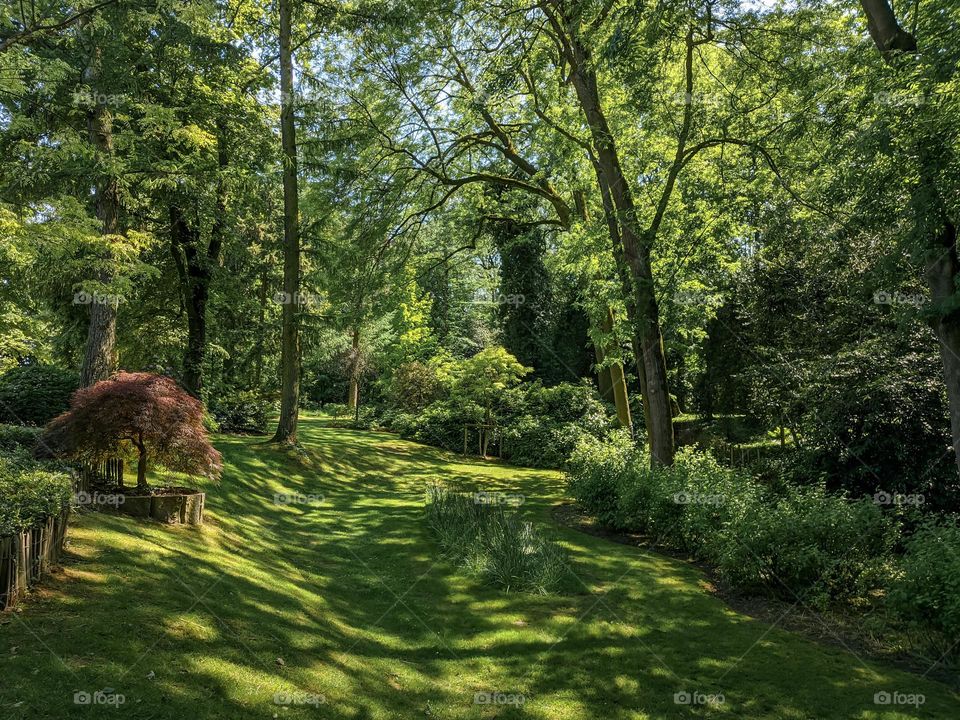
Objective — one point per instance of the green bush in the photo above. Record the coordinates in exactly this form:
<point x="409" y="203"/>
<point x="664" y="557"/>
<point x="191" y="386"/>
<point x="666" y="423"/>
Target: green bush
<point x="35" y="394"/>
<point x="810" y="545"/>
<point x="18" y="437"/>
<point x="30" y="493"/>
<point x="540" y="442"/>
<point x="242" y="412"/>
<point x="595" y="471"/>
<point x="497" y="544"/>
<point x="925" y="593"/>
<point x="442" y="424"/>
<point x="803" y="541"/>
<point x="336" y="409"/>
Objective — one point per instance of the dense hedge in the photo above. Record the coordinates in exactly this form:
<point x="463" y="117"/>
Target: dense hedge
<point x="30" y="493"/>
<point x="794" y="542"/>
<point x="35" y="394"/>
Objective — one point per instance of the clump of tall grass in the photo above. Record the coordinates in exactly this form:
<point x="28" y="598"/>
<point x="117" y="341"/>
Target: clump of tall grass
<point x="495" y="543"/>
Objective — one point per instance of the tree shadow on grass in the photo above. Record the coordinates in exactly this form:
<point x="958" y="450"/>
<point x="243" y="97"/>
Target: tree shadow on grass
<point x="344" y="598"/>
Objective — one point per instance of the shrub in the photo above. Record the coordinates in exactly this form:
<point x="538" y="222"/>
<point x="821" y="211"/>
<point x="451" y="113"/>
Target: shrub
<point x="35" y="394"/>
<point x="30" y="493"/>
<point x="809" y="543"/>
<point x="925" y="593"/>
<point x="805" y="542"/>
<point x="336" y="409"/>
<point x="442" y="424"/>
<point x="135" y="414"/>
<point x="413" y="386"/>
<point x="595" y="471"/>
<point x="496" y="544"/>
<point x="539" y="426"/>
<point x="242" y="413"/>
<point x="18" y="437"/>
<point x="539" y="442"/>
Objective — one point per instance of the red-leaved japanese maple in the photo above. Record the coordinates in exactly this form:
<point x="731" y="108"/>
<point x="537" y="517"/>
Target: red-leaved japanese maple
<point x="141" y="414"/>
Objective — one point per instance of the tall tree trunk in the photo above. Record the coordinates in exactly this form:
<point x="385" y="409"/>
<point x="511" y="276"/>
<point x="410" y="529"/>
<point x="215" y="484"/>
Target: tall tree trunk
<point x="604" y="383"/>
<point x="99" y="358"/>
<point x="353" y="396"/>
<point x="618" y="382"/>
<point x="612" y="382"/>
<point x="636" y="246"/>
<point x="195" y="288"/>
<point x="290" y="336"/>
<point x="195" y="269"/>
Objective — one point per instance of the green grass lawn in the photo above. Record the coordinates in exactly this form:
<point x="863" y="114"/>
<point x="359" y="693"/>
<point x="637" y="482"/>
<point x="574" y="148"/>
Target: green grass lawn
<point x="344" y="603"/>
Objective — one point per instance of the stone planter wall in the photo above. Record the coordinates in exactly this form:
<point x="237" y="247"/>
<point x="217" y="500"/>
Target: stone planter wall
<point x="26" y="556"/>
<point x="181" y="508"/>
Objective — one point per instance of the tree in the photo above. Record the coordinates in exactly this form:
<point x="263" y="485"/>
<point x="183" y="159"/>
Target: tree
<point x="481" y="379"/>
<point x="290" y="337"/>
<point x="931" y="195"/>
<point x="142" y="414"/>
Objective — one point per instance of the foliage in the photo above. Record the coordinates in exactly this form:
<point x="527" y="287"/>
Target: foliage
<point x="18" y="437"/>
<point x="809" y="545"/>
<point x="802" y="542"/>
<point x="496" y="543"/>
<point x="925" y="593"/>
<point x="595" y="471"/>
<point x="35" y="394"/>
<point x="413" y="386"/>
<point x="242" y="412"/>
<point x="482" y="378"/>
<point x="31" y="493"/>
<point x="140" y="414"/>
<point x="538" y="426"/>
